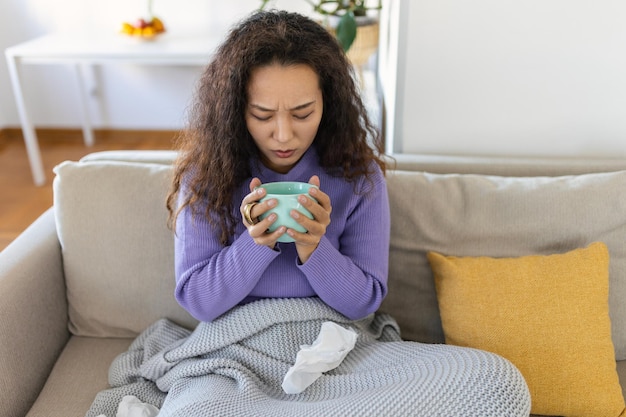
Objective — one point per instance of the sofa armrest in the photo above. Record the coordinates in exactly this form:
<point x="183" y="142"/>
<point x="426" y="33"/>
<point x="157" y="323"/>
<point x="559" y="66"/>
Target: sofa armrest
<point x="33" y="314"/>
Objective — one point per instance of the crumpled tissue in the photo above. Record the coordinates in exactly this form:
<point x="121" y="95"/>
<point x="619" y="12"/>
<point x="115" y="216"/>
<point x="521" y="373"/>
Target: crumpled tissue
<point x="131" y="406"/>
<point x="330" y="348"/>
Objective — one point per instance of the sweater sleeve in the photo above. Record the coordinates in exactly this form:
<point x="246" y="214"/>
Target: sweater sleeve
<point x="211" y="278"/>
<point x="353" y="278"/>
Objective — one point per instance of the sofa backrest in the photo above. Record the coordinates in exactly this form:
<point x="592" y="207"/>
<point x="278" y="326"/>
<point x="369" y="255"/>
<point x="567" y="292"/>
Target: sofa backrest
<point x="504" y="166"/>
<point x="118" y="252"/>
<point x="117" y="248"/>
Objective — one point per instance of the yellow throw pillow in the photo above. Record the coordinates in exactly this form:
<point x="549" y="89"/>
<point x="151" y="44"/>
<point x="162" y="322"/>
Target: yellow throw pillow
<point x="548" y="315"/>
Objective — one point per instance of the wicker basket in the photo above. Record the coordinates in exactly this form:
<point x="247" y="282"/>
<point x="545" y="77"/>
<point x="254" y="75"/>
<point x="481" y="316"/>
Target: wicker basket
<point x="364" y="45"/>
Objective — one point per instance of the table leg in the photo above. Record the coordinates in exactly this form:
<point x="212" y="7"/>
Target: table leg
<point x="84" y="104"/>
<point x="28" y="131"/>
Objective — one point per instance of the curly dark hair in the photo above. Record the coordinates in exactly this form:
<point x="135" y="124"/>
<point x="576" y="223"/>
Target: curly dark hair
<point x="216" y="148"/>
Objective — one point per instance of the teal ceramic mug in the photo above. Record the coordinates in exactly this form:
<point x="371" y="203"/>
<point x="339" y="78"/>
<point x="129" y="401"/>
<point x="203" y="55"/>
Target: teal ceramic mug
<point x="286" y="193"/>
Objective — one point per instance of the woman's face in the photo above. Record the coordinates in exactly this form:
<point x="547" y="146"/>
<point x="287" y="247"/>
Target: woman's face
<point x="284" y="111"/>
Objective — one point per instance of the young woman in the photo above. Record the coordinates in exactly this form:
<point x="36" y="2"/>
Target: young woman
<point x="279" y="102"/>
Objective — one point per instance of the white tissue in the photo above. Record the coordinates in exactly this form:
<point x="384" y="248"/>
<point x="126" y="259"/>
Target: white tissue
<point x="327" y="351"/>
<point x="131" y="406"/>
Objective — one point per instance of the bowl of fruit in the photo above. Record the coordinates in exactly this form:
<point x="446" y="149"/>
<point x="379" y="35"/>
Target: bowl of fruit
<point x="144" y="29"/>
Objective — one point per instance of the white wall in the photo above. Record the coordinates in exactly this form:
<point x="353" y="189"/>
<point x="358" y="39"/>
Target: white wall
<point x="503" y="77"/>
<point x="133" y="97"/>
<point x="483" y="77"/>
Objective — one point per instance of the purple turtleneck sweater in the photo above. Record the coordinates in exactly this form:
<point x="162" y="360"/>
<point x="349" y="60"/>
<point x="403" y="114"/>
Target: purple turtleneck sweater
<point x="348" y="270"/>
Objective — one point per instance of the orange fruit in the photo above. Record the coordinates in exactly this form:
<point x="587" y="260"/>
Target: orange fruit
<point x="148" y="32"/>
<point x="157" y="24"/>
<point x="127" y="28"/>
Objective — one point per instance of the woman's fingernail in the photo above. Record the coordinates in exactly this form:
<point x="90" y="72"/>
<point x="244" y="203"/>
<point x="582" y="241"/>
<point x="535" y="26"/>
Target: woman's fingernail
<point x="295" y="215"/>
<point x="272" y="217"/>
<point x="271" y="203"/>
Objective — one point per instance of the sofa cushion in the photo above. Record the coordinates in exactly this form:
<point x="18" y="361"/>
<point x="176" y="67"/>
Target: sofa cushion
<point x="160" y="156"/>
<point x="79" y="374"/>
<point x="117" y="249"/>
<point x="480" y="215"/>
<point x="547" y="314"/>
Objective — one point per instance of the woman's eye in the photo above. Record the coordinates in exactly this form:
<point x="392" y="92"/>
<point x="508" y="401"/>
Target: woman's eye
<point x="261" y="118"/>
<point x="303" y="116"/>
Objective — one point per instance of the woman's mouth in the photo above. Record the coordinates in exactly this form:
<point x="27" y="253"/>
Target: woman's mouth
<point x="284" y="154"/>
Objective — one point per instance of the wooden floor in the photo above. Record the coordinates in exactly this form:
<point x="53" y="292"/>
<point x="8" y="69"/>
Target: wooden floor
<point x="21" y="202"/>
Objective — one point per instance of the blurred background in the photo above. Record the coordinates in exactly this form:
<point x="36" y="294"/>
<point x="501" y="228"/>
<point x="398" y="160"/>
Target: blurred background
<point x="487" y="77"/>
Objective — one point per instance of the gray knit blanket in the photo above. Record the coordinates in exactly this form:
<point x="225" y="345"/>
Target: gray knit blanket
<point x="235" y="365"/>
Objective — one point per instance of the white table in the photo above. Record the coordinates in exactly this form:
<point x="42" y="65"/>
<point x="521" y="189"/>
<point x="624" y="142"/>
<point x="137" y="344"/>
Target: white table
<point x="82" y="51"/>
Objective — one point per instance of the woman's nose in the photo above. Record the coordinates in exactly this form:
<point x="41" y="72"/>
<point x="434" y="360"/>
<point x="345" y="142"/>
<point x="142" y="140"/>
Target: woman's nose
<point x="283" y="131"/>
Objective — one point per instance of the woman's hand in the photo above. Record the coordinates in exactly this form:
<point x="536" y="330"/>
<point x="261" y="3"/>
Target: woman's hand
<point x="258" y="229"/>
<point x="306" y="243"/>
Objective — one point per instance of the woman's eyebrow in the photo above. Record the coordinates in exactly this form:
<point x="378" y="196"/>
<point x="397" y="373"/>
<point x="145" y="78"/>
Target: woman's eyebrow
<point x="303" y="106"/>
<point x="298" y="107"/>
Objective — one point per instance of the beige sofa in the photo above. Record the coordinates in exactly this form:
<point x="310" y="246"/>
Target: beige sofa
<point x="96" y="269"/>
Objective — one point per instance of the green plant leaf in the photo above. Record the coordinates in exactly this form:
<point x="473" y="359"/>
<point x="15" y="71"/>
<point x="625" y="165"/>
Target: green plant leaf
<point x="346" y="30"/>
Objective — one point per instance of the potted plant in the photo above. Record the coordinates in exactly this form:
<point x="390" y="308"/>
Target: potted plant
<point x="356" y="30"/>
